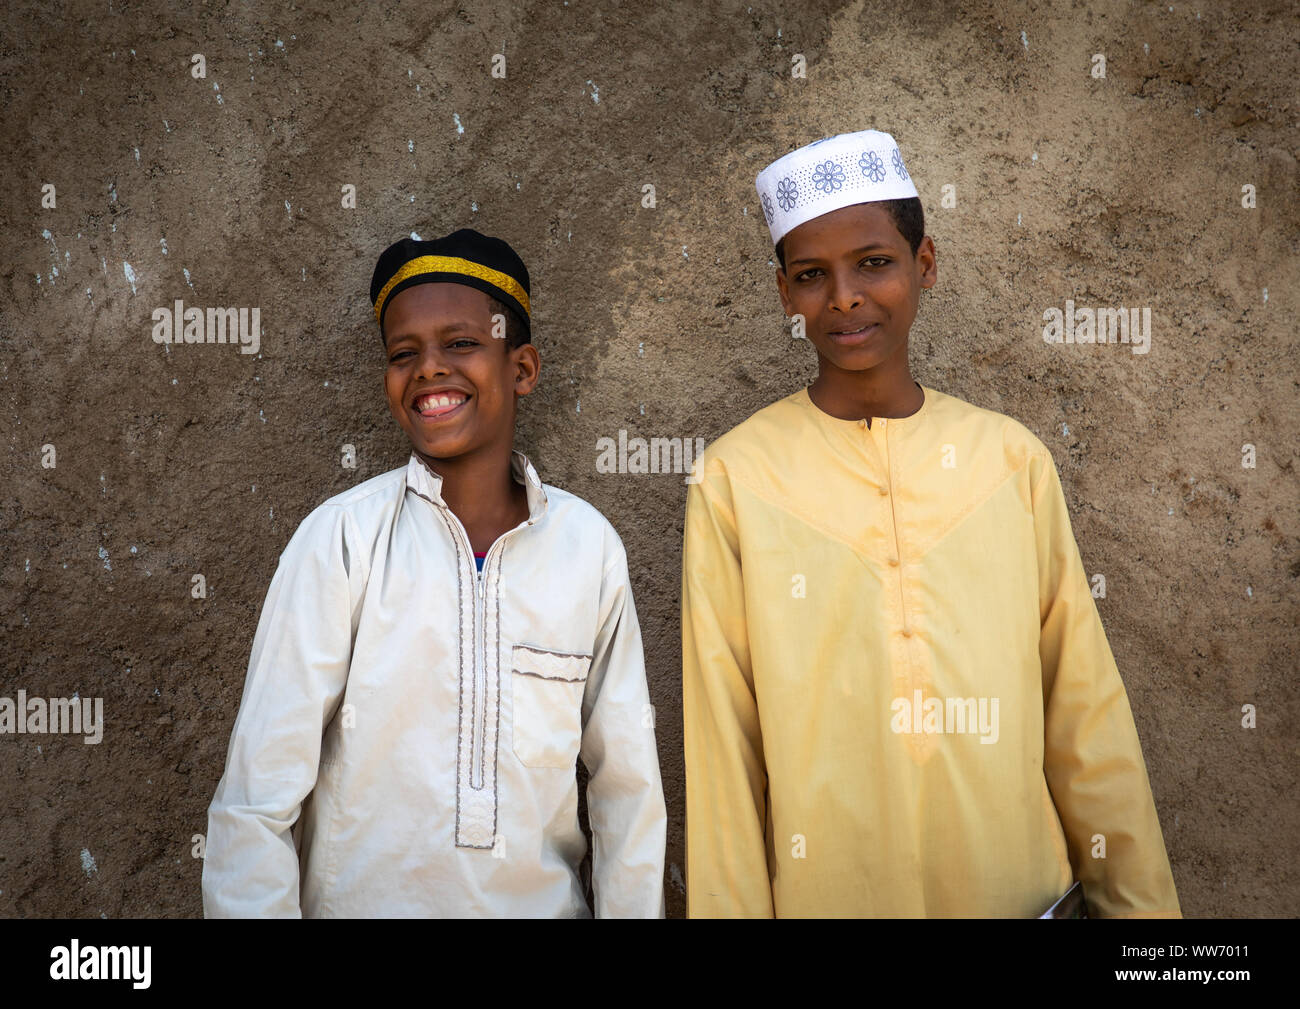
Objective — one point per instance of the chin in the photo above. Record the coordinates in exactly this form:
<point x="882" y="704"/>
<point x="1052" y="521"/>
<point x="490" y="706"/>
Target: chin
<point x="854" y="360"/>
<point x="437" y="448"/>
<point x="446" y="448"/>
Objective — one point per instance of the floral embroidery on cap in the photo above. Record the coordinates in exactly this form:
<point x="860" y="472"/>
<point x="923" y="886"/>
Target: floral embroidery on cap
<point x="787" y="193"/>
<point x="829" y="177"/>
<point x="872" y="167"/>
<point x="898" y="164"/>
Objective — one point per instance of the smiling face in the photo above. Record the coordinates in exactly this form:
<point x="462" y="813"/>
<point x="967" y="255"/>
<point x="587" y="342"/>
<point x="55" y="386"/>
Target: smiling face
<point x="450" y="383"/>
<point x="854" y="279"/>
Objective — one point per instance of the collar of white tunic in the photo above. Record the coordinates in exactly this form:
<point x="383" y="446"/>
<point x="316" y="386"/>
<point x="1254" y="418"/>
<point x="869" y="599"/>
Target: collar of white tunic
<point x="428" y="484"/>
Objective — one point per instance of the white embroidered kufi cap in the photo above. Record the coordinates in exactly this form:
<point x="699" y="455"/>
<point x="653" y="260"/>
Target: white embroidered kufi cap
<point x="828" y="174"/>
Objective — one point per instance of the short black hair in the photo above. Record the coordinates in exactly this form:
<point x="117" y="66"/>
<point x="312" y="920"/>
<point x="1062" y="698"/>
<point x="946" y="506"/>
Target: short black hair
<point x="908" y="218"/>
<point x="516" y="332"/>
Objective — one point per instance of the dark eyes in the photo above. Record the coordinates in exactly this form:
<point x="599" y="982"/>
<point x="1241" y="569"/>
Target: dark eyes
<point x="463" y="341"/>
<point x="812" y="274"/>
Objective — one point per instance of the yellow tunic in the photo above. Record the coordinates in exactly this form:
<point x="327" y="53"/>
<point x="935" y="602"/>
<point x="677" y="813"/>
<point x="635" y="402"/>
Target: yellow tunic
<point x="898" y="696"/>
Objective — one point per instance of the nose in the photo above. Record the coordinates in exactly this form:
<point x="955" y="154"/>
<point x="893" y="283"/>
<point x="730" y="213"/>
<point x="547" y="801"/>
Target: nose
<point x="432" y="362"/>
<point x="847" y="293"/>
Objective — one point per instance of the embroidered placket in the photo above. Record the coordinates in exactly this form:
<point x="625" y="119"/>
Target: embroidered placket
<point x="476" y="756"/>
<point x="479" y="677"/>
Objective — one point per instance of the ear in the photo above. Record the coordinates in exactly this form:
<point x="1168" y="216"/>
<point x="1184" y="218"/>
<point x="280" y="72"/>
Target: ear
<point x="394" y="408"/>
<point x="926" y="262"/>
<point x="527" y="366"/>
<point x="783" y="288"/>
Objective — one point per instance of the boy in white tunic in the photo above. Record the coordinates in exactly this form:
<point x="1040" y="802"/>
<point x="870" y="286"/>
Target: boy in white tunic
<point x="439" y="645"/>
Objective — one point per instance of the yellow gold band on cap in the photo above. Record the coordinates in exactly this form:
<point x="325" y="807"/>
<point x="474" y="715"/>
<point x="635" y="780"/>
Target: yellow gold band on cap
<point x="453" y="264"/>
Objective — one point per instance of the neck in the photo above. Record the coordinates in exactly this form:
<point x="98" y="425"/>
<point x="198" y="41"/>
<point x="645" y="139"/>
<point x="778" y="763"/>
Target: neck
<point x="888" y="390"/>
<point x="480" y="489"/>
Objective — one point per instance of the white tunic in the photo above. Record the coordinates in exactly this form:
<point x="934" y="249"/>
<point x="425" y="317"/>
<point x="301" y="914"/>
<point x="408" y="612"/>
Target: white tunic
<point x="425" y="720"/>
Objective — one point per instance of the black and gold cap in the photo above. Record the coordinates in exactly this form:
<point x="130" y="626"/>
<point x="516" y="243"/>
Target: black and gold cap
<point x="463" y="257"/>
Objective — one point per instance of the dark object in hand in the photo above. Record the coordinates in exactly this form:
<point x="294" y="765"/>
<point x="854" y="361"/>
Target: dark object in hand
<point x="1069" y="906"/>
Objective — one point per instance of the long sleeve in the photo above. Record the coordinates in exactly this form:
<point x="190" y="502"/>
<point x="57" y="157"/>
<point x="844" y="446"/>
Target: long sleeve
<point x="296" y="675"/>
<point x="726" y="776"/>
<point x="1092" y="757"/>
<point x="625" y="799"/>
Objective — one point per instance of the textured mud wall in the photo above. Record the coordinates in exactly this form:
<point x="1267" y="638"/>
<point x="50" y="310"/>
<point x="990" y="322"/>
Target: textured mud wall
<point x="226" y="190"/>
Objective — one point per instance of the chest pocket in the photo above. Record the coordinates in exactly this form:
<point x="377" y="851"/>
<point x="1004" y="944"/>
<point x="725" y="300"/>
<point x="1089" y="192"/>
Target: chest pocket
<point x="548" y="688"/>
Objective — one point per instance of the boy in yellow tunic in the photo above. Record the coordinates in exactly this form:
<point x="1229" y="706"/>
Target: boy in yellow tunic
<point x="898" y="696"/>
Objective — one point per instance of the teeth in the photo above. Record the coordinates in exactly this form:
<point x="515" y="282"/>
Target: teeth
<point x="438" y="400"/>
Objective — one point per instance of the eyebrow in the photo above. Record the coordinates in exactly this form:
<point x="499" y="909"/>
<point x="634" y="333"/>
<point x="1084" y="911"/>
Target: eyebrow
<point x="870" y="246"/>
<point x="458" y="326"/>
